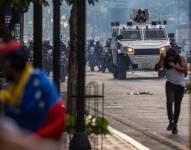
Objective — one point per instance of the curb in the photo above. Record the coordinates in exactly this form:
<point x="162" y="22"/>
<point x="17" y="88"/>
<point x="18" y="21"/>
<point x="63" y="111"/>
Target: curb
<point x="128" y="139"/>
<point x="148" y="132"/>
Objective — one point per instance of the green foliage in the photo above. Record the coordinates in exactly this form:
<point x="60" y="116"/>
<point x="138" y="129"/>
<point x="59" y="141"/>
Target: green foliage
<point x="97" y="125"/>
<point x="73" y="2"/>
<point x="26" y="3"/>
<point x="70" y="124"/>
<point x="94" y="125"/>
<point x="16" y="3"/>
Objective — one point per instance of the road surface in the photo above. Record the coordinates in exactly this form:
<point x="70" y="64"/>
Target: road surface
<point x="142" y="116"/>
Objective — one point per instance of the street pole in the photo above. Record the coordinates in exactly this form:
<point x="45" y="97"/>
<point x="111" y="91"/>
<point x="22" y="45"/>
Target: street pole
<point x="56" y="43"/>
<point x="80" y="139"/>
<point x="22" y="26"/>
<point x="37" y="35"/>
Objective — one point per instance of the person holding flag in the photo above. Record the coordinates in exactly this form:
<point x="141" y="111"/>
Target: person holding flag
<point x="30" y="98"/>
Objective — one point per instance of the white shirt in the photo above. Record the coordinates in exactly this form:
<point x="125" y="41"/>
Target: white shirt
<point x="175" y="77"/>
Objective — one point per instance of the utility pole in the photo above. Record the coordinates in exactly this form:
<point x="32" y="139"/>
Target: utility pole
<point x="56" y="43"/>
<point x="37" y="35"/>
<point x="22" y="27"/>
<point x="80" y="139"/>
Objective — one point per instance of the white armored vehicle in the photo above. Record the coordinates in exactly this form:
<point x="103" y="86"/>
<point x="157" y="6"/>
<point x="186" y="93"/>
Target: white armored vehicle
<point x="138" y="43"/>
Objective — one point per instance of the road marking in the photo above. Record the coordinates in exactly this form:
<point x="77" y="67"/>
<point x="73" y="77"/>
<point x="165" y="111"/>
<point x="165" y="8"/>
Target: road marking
<point x="114" y="106"/>
<point x="128" y="139"/>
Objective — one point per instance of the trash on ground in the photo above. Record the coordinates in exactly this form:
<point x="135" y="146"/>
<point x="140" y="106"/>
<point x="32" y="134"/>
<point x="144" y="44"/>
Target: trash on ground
<point x="140" y="93"/>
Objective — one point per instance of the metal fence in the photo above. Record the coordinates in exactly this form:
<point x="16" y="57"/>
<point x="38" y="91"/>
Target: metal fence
<point x="94" y="106"/>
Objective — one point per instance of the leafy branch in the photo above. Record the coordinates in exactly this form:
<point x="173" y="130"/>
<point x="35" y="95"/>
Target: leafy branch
<point x="71" y="2"/>
<point x="94" y="125"/>
<point x="24" y="3"/>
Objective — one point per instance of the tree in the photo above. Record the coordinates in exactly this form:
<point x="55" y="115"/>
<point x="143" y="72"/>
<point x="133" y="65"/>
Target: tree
<point x="72" y="68"/>
<point x="16" y="8"/>
<point x="6" y="35"/>
<point x="80" y="140"/>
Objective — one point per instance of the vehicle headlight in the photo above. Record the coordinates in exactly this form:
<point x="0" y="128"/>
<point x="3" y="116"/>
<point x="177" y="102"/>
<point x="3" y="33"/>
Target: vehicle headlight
<point x="164" y="49"/>
<point x="129" y="49"/>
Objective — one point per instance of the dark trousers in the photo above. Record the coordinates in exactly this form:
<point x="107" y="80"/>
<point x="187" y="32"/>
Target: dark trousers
<point x="174" y="95"/>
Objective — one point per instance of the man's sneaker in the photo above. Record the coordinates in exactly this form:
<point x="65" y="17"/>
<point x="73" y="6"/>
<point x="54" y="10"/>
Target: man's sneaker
<point x="170" y="126"/>
<point x="174" y="129"/>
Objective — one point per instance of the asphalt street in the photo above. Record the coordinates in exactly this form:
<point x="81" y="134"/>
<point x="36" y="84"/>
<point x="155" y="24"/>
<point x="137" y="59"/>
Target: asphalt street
<point x="137" y="107"/>
<point x="139" y="103"/>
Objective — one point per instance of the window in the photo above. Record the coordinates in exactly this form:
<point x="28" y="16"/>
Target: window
<point x="155" y="34"/>
<point x="130" y="35"/>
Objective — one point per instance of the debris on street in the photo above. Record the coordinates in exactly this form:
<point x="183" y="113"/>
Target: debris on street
<point x="140" y="93"/>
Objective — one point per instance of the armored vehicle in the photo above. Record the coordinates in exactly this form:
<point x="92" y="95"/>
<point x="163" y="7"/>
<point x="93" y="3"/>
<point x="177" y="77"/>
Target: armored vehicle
<point x="137" y="44"/>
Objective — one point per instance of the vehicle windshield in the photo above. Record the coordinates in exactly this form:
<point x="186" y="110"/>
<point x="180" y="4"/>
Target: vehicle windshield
<point x="155" y="34"/>
<point x="130" y="35"/>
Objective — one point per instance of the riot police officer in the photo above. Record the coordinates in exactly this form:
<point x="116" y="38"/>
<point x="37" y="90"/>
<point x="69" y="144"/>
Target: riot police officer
<point x="63" y="61"/>
<point x="98" y="51"/>
<point x="47" y="48"/>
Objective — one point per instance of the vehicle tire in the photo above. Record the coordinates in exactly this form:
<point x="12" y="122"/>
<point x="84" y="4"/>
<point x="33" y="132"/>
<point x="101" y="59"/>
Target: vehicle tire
<point x="103" y="69"/>
<point x="91" y="68"/>
<point x="122" y="68"/>
<point x="161" y="73"/>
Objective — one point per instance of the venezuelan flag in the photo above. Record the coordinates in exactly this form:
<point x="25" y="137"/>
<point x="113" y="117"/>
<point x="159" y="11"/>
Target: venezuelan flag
<point x="34" y="104"/>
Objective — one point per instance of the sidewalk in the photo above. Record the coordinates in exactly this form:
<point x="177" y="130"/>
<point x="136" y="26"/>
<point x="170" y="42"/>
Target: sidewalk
<point x="115" y="141"/>
<point x="120" y="141"/>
